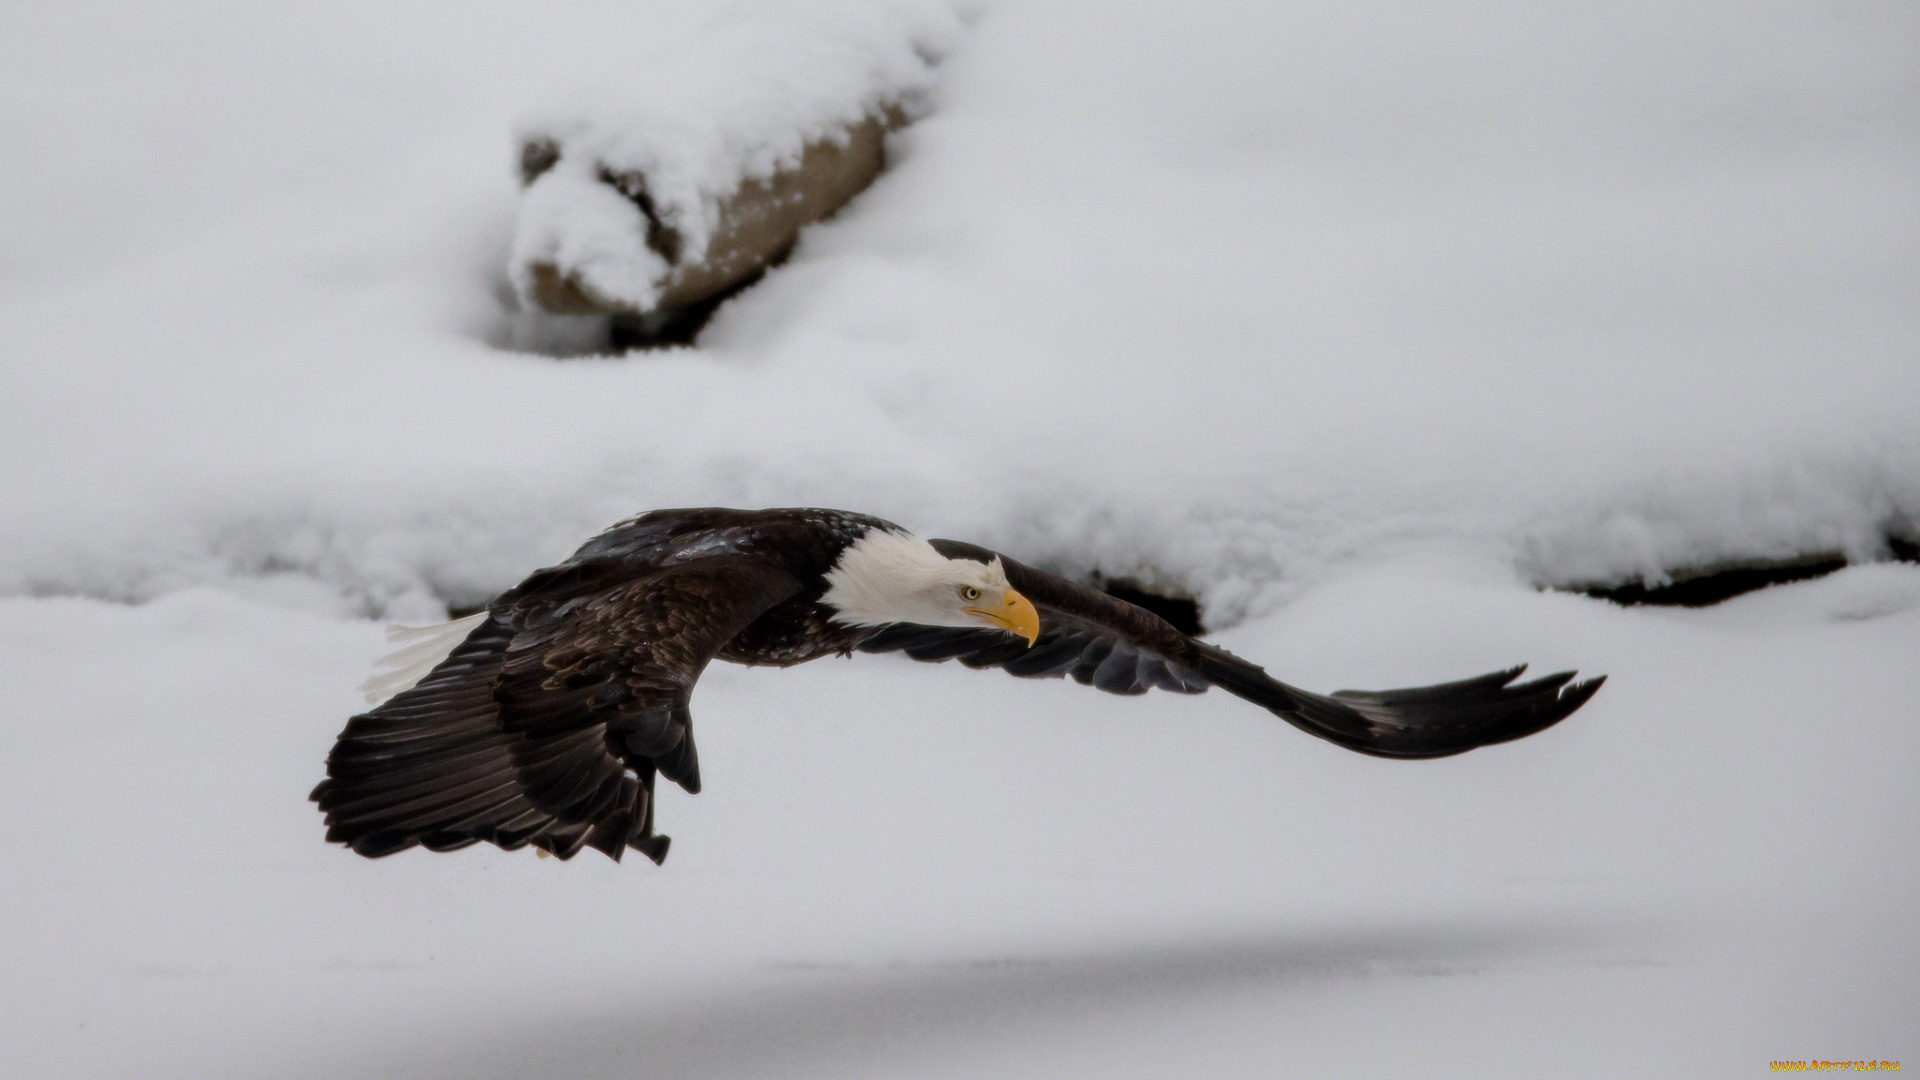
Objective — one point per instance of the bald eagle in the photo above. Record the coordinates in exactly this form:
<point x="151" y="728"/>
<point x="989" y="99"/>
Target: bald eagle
<point x="544" y="719"/>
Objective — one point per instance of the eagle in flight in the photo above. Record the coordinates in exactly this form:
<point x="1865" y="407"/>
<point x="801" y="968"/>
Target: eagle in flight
<point x="544" y="719"/>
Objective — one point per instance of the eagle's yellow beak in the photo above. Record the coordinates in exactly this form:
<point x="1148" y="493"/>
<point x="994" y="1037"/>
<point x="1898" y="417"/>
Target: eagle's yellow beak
<point x="1016" y="615"/>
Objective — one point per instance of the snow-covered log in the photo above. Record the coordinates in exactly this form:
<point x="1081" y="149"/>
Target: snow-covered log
<point x="699" y="168"/>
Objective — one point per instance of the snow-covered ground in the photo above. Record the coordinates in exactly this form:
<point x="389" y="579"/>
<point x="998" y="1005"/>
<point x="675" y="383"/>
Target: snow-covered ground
<point x="1358" y="323"/>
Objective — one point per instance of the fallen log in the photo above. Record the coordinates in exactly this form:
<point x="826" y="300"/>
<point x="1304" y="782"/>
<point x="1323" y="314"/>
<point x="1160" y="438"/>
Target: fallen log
<point x="757" y="224"/>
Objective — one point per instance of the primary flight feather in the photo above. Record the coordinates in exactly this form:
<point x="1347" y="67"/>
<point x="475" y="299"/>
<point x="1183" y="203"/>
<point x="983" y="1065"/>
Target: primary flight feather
<point x="543" y="720"/>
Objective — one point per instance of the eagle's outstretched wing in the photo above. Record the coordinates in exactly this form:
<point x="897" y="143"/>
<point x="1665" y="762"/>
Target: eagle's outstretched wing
<point x="547" y="725"/>
<point x="1113" y="645"/>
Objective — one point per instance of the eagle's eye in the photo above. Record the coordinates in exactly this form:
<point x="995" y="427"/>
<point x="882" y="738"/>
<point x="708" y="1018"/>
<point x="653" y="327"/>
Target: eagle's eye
<point x="969" y="593"/>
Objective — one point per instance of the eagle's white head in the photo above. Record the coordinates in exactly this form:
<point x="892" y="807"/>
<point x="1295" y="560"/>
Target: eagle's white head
<point x="896" y="577"/>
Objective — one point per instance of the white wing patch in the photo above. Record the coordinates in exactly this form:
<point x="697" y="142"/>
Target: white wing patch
<point x="421" y="648"/>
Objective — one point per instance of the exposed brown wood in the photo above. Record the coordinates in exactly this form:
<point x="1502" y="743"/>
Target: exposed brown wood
<point x="758" y="223"/>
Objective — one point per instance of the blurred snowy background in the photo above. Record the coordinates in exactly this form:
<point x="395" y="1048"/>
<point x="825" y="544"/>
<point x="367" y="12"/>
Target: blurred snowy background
<point x="1362" y="324"/>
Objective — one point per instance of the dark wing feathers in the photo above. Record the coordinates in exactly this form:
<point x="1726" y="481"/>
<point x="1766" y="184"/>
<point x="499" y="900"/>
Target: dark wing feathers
<point x="1105" y="642"/>
<point x="549" y="723"/>
<point x="1420" y="722"/>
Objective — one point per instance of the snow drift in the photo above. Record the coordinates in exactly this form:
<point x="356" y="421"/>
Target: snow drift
<point x="1225" y="300"/>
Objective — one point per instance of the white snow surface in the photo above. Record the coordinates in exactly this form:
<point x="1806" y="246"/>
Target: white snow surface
<point x="1357" y="322"/>
<point x="900" y="869"/>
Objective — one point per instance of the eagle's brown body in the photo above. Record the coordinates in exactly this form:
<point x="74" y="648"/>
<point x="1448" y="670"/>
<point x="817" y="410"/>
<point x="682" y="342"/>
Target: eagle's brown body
<point x="547" y="725"/>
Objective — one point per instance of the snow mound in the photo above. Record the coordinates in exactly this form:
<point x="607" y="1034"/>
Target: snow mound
<point x="1233" y="302"/>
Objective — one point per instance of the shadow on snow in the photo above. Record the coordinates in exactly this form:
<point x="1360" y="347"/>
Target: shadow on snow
<point x="823" y="1018"/>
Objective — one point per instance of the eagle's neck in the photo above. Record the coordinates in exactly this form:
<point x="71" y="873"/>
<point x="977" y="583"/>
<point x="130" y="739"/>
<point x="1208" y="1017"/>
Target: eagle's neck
<point x="888" y="577"/>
